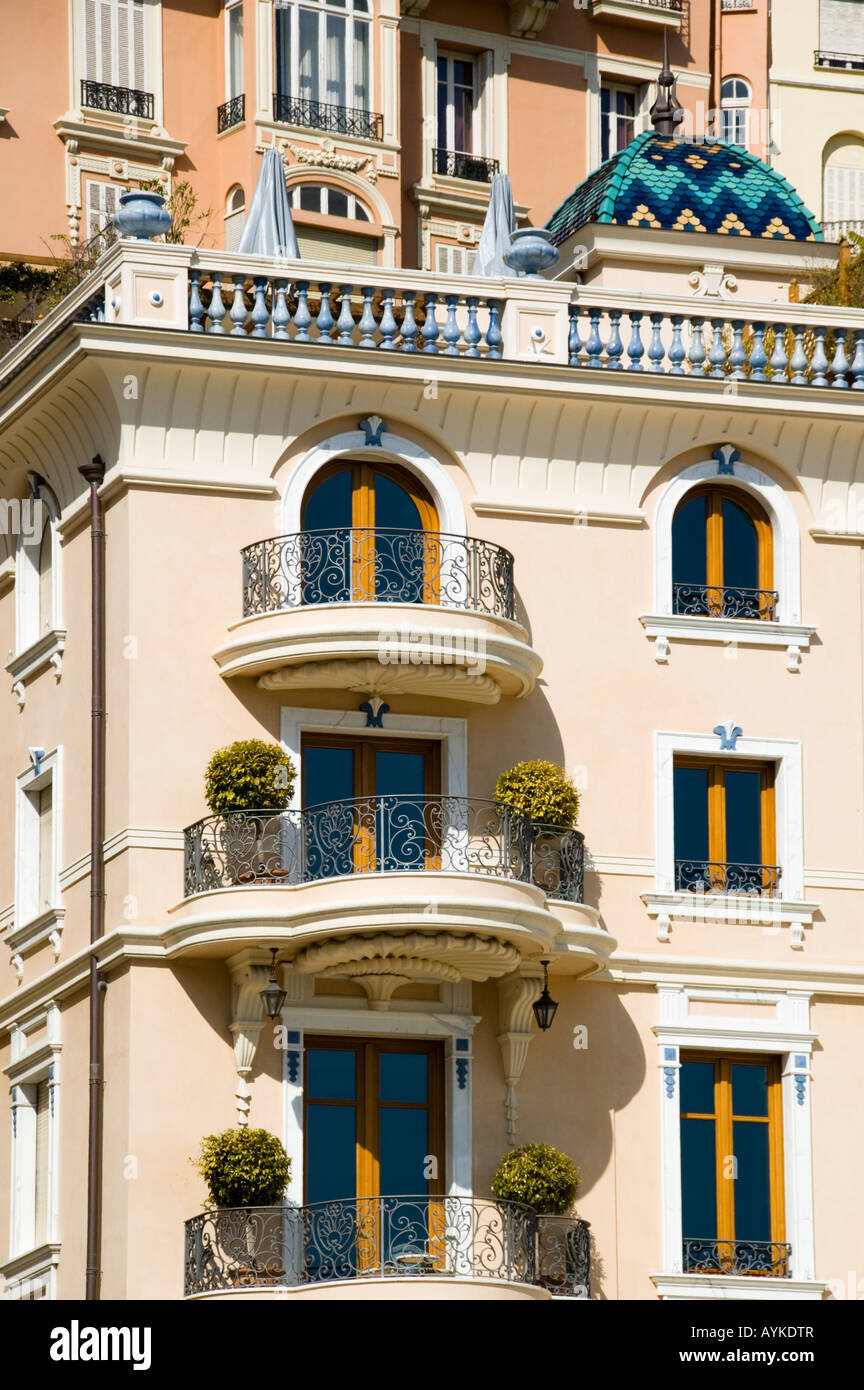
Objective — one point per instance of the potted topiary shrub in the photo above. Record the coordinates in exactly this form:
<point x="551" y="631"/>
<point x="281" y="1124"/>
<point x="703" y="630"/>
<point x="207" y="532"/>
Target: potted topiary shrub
<point x="250" y="775"/>
<point x="545" y="1179"/>
<point x="542" y="792"/>
<point x="247" y="1172"/>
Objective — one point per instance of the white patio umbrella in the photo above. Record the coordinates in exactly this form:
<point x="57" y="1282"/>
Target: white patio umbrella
<point x="269" y="229"/>
<point x="500" y="222"/>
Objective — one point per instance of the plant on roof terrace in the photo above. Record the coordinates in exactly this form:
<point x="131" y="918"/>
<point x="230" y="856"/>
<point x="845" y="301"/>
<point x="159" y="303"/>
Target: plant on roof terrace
<point x="540" y="790"/>
<point x="249" y="775"/>
<point x="539" y="1175"/>
<point x="244" y="1168"/>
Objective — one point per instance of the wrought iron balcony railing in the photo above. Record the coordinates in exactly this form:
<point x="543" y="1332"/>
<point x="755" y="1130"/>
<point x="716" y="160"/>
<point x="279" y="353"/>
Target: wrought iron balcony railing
<point x="230" y="113"/>
<point x="850" y="61"/>
<point x="711" y="601"/>
<point x="835" y="230"/>
<point x="377" y="565"/>
<point x="323" y="115"/>
<point x="705" y="876"/>
<point x="124" y="101"/>
<point x="379" y="1237"/>
<point x="676" y="6"/>
<point x="458" y="164"/>
<point x="767" y="1257"/>
<point x="738" y="4"/>
<point x="383" y="835"/>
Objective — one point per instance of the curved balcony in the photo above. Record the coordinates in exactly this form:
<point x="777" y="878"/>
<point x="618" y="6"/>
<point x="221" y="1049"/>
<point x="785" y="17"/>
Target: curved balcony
<point x="390" y="889"/>
<point x="381" y="610"/>
<point x="397" y="1247"/>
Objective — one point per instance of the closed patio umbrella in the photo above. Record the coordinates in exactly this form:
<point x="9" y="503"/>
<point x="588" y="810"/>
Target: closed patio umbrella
<point x="269" y="229"/>
<point x="500" y="222"/>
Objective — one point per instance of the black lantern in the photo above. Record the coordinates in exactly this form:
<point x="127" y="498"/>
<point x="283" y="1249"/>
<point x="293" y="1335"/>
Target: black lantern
<point x="545" y="1007"/>
<point x="272" y="997"/>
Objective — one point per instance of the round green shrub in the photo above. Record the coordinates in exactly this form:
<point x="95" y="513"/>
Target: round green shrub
<point x="540" y="1176"/>
<point x="540" y="790"/>
<point x="249" y="775"/>
<point x="244" y="1168"/>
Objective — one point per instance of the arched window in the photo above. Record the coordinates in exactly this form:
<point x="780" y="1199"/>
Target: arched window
<point x="722" y="556"/>
<point x="369" y="534"/>
<point x="734" y="110"/>
<point x="235" y="216"/>
<point x="843" y="186"/>
<point x="313" y="205"/>
<point x="37" y="573"/>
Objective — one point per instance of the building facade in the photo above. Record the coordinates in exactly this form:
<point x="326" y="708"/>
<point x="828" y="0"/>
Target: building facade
<point x="415" y="528"/>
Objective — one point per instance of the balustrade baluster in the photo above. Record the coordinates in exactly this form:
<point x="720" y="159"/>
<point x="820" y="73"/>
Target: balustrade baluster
<point x="217" y="310"/>
<point x="388" y="325"/>
<point x="798" y="361"/>
<point x="302" y="316"/>
<point x="345" y="321"/>
<point x="614" y="346"/>
<point x="858" y="361"/>
<point x="656" y="350"/>
<point x="635" y="348"/>
<point x="696" y="354"/>
<point x="494" y="336"/>
<point x="717" y="352"/>
<point x="677" y="350"/>
<point x="574" y="341"/>
<point x="196" y="308"/>
<point x="758" y="357"/>
<point x="260" y="312"/>
<point x="840" y="364"/>
<point x="238" y="313"/>
<point x="819" y="364"/>
<point x="737" y="355"/>
<point x="450" y="331"/>
<point x="594" y="345"/>
<point x="409" y="323"/>
<point x="779" y="361"/>
<point x="472" y="330"/>
<point x="281" y="316"/>
<point x="367" y="320"/>
<point x="324" y="322"/>
<point x="429" y="331"/>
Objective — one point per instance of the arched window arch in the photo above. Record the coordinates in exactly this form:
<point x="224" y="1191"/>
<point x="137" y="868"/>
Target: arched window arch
<point x="38" y="568"/>
<point x="735" y="99"/>
<point x="369" y="534"/>
<point x="353" y="239"/>
<point x="235" y="217"/>
<point x="843" y="186"/>
<point x="722" y="555"/>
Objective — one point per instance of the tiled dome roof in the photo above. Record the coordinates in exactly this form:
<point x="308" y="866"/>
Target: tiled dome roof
<point x="687" y="186"/>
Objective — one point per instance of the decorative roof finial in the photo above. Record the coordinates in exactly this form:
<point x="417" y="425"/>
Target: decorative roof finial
<point x="667" y="113"/>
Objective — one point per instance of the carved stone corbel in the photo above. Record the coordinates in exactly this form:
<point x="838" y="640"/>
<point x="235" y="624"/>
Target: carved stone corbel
<point x="516" y="994"/>
<point x="412" y="9"/>
<point x="248" y="978"/>
<point x="528" y="17"/>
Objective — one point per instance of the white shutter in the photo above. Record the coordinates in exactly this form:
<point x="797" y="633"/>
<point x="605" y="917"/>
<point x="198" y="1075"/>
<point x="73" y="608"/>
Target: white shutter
<point x="114" y="43"/>
<point x="454" y="260"/>
<point x="326" y="244"/>
<point x="841" y="26"/>
<point x="844" y="194"/>
<point x="42" y="1161"/>
<point x="102" y="203"/>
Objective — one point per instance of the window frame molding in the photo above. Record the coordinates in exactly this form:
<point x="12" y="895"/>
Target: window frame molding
<point x="153" y="69"/>
<point x="31" y="928"/>
<point x="787" y="1036"/>
<point x="666" y="903"/>
<point x="491" y="55"/>
<point x="32" y="1062"/>
<point x="35" y="648"/>
<point x="725" y="469"/>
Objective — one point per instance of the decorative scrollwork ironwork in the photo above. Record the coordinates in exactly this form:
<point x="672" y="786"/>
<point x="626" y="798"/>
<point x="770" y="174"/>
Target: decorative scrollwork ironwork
<point x="323" y="115"/>
<point x="230" y="113"/>
<point x="559" y="862"/>
<point x="381" y="565"/>
<point x="125" y="101"/>
<point x="710" y="1256"/>
<point x="458" y="164"/>
<point x="703" y="876"/>
<point x="380" y="1237"/>
<point x="713" y="601"/>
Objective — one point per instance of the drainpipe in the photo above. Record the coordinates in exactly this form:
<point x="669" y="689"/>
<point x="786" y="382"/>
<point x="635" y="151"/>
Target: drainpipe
<point x="716" y="58"/>
<point x="93" y="473"/>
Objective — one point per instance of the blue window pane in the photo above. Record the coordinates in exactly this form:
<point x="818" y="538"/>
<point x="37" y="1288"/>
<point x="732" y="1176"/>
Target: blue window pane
<point x="404" y="1140"/>
<point x="400" y="560"/>
<point x="749" y="1090"/>
<point x="328" y="774"/>
<point x="404" y="1076"/>
<point x="331" y="1153"/>
<point x="743" y="817"/>
<point x="697" y="1088"/>
<point x="690" y="795"/>
<point x="330" y="504"/>
<point x="402" y="837"/>
<point x="326" y="553"/>
<point x="752" y="1182"/>
<point x="399" y="773"/>
<point x="689" y="552"/>
<point x="331" y="1075"/>
<point x="740" y="548"/>
<point x="698" y="1179"/>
